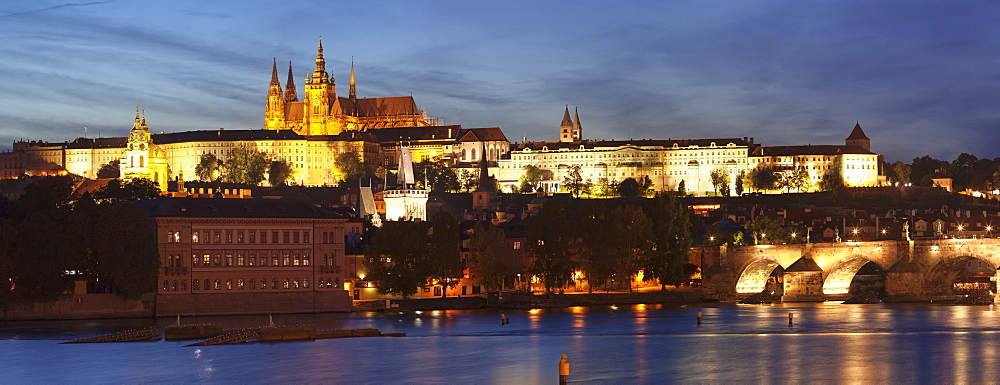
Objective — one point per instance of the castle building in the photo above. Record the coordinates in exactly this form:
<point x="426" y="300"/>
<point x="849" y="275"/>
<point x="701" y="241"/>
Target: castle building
<point x="854" y="160"/>
<point x="669" y="162"/>
<point x="323" y="112"/>
<point x="143" y="159"/>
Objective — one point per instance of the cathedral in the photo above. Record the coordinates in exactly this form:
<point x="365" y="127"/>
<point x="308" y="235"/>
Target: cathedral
<point x="323" y="112"/>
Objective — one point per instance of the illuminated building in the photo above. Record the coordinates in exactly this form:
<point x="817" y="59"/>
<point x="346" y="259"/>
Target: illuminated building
<point x="248" y="256"/>
<point x="323" y="112"/>
<point x="856" y="163"/>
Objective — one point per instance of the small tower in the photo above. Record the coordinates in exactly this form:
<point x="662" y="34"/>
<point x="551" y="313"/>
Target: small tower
<point x="352" y="92"/>
<point x="143" y="159"/>
<point x="320" y="90"/>
<point x="566" y="128"/>
<point x="290" y="94"/>
<point x="858" y="138"/>
<point x="577" y="128"/>
<point x="275" y="115"/>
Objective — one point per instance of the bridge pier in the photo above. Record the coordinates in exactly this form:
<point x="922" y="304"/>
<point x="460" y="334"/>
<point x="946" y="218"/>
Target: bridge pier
<point x="803" y="282"/>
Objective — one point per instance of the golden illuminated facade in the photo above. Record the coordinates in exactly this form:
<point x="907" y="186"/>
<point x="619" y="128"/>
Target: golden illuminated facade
<point x="854" y="160"/>
<point x="142" y="158"/>
<point x="323" y="112"/>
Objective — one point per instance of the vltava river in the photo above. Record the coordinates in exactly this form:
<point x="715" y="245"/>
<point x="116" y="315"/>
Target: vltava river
<point x="828" y="342"/>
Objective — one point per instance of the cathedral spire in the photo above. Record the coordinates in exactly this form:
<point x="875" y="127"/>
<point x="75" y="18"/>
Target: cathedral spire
<point x="320" y="75"/>
<point x="566" y="128"/>
<point x="274" y="73"/>
<point x="143" y="123"/>
<point x="567" y="121"/>
<point x="290" y="94"/>
<point x="352" y="93"/>
<point x="138" y="123"/>
<point x="577" y="127"/>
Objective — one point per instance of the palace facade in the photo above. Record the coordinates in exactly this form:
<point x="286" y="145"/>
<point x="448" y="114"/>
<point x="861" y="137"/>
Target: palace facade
<point x="669" y="162"/>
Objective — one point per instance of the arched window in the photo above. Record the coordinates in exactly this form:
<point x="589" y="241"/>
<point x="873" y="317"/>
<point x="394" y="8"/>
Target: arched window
<point x="463" y="154"/>
<point x="140" y="160"/>
<point x="473" y="154"/>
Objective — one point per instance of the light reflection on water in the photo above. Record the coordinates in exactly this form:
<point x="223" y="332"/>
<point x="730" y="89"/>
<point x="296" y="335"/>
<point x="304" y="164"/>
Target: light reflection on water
<point x="634" y="344"/>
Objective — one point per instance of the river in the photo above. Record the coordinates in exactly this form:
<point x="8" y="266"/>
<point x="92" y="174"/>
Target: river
<point x="828" y="342"/>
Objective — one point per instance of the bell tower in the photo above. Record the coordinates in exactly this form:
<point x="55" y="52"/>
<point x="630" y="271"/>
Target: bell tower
<point x="274" y="117"/>
<point x="566" y="128"/>
<point x="320" y="90"/>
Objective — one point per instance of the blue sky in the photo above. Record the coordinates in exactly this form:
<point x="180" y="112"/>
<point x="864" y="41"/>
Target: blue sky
<point x="922" y="77"/>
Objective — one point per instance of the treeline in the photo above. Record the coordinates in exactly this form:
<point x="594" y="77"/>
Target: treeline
<point x="966" y="171"/>
<point x="608" y="245"/>
<point x="50" y="238"/>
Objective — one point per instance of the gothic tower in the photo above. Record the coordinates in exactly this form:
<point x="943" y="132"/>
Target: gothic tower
<point x="274" y="117"/>
<point x="352" y="92"/>
<point x="320" y="90"/>
<point x="577" y="128"/>
<point x="566" y="128"/>
<point x="858" y="138"/>
<point x="290" y="94"/>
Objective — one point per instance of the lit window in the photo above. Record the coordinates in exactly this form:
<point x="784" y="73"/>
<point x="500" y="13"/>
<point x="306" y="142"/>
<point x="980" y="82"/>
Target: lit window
<point x="239" y="284"/>
<point x="305" y="282"/>
<point x="517" y="245"/>
<point x="239" y="260"/>
<point x="239" y="237"/>
<point x="229" y="237"/>
<point x="229" y="259"/>
<point x="196" y="285"/>
<point x="305" y="237"/>
<point x="305" y="260"/>
<point x="194" y="237"/>
<point x="229" y="284"/>
<point x="217" y="286"/>
<point x="284" y="283"/>
<point x="263" y="284"/>
<point x="286" y="260"/>
<point x="296" y="260"/>
<point x="252" y="260"/>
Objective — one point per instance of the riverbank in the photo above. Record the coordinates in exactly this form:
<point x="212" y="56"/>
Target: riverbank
<point x="532" y="301"/>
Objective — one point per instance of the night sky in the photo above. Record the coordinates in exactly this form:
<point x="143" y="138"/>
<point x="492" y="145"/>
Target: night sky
<point x="922" y="77"/>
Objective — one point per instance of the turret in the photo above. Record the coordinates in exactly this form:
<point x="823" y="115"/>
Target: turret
<point x="290" y="94"/>
<point x="320" y="91"/>
<point x="577" y="128"/>
<point x="566" y="128"/>
<point x="352" y="92"/>
<point x="275" y="111"/>
<point x="858" y="138"/>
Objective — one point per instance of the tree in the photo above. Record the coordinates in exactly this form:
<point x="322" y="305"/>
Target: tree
<point x="762" y="178"/>
<point x="125" y="250"/>
<point x="834" y="178"/>
<point x="110" y="170"/>
<point x="681" y="188"/>
<point x="438" y="175"/>
<point x="486" y="262"/>
<point x="37" y="260"/>
<point x="797" y="179"/>
<point x="672" y="238"/>
<point x="630" y="232"/>
<point x="720" y="180"/>
<point x="397" y="258"/>
<point x="551" y="242"/>
<point x="279" y="172"/>
<point x="924" y="167"/>
<point x="531" y="179"/>
<point x="900" y="172"/>
<point x="209" y="168"/>
<point x="607" y="188"/>
<point x="739" y="183"/>
<point x="246" y="165"/>
<point x="468" y="180"/>
<point x="628" y="188"/>
<point x="350" y="167"/>
<point x="445" y="251"/>
<point x="645" y="186"/>
<point x="766" y="230"/>
<point x="573" y="182"/>
<point x="133" y="190"/>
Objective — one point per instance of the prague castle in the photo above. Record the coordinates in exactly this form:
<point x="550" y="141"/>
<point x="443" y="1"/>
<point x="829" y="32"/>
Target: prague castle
<point x="323" y="112"/>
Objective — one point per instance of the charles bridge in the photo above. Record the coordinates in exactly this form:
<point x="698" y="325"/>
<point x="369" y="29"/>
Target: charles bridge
<point x="912" y="270"/>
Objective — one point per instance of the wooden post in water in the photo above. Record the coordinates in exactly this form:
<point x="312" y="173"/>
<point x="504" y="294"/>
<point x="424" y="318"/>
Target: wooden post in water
<point x="790" y="316"/>
<point x="563" y="369"/>
<point x="699" y="318"/>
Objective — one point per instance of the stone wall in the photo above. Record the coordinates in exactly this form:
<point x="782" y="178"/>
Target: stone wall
<point x="80" y="306"/>
<point x="252" y="303"/>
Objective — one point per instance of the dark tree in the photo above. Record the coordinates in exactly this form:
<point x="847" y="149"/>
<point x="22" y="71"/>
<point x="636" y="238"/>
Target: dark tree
<point x="209" y="168"/>
<point x="350" y="167"/>
<point x="552" y="243"/>
<point x="125" y="249"/>
<point x="486" y="260"/>
<point x="133" y="190"/>
<point x="628" y="188"/>
<point x="279" y="173"/>
<point x="573" y="182"/>
<point x="445" y="251"/>
<point x="397" y="258"/>
<point x="110" y="170"/>
<point x="672" y="238"/>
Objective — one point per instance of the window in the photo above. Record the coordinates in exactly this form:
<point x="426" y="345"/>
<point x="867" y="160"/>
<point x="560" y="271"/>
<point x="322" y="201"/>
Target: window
<point x="196" y="285"/>
<point x="217" y="286"/>
<point x="208" y="285"/>
<point x="274" y="260"/>
<point x="274" y="284"/>
<point x="305" y="259"/>
<point x="253" y="237"/>
<point x="517" y="245"/>
<point x="305" y="282"/>
<point x="305" y="237"/>
<point x="295" y="283"/>
<point x="239" y="284"/>
<point x="194" y="260"/>
<point x="285" y="284"/>
<point x="286" y="236"/>
<point x="229" y="259"/>
<point x="252" y="260"/>
<point x="326" y="237"/>
<point x="229" y="284"/>
<point x="239" y="237"/>
<point x="194" y="237"/>
<point x="296" y="260"/>
<point x="274" y="237"/>
<point x="263" y="237"/>
<point x="206" y="260"/>
<point x="239" y="260"/>
<point x="173" y="285"/>
<point x="229" y="237"/>
<point x="263" y="284"/>
<point x="218" y="237"/>
<point x="166" y="285"/>
<point x="286" y="260"/>
<point x="253" y="284"/>
<point x="184" y="285"/>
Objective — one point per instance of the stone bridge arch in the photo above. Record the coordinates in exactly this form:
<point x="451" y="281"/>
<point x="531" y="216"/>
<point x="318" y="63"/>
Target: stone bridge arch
<point x="754" y="276"/>
<point x="838" y="280"/>
<point x="940" y="278"/>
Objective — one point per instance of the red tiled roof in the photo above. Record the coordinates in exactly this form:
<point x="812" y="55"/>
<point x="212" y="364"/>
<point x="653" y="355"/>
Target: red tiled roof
<point x="857" y="133"/>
